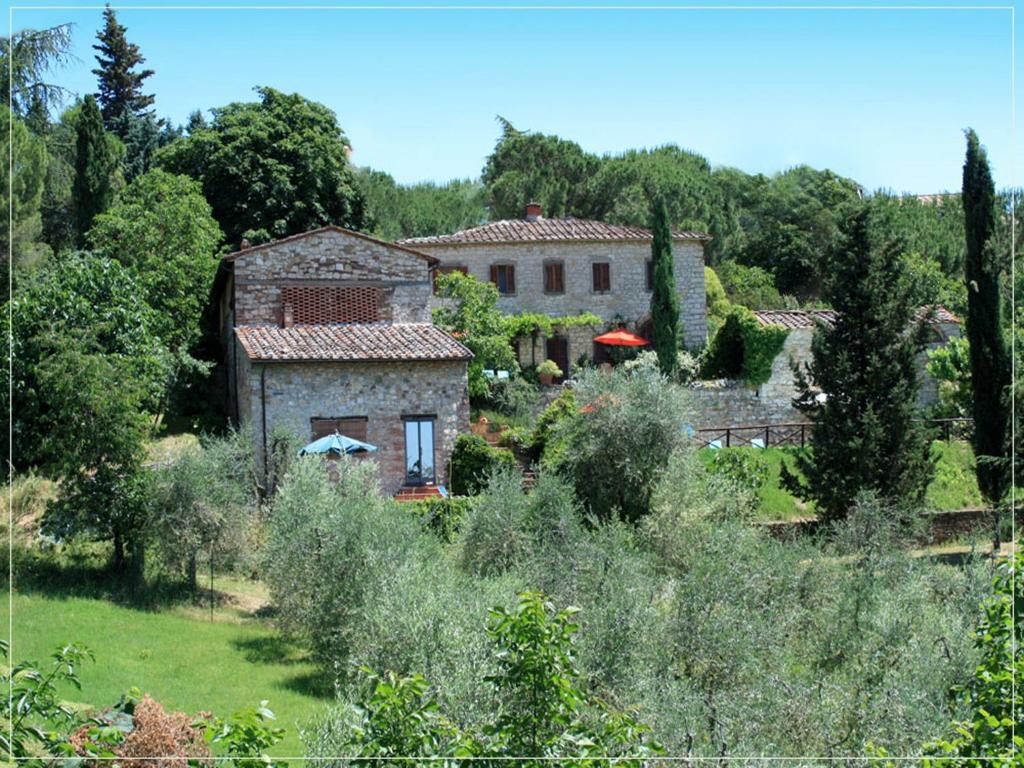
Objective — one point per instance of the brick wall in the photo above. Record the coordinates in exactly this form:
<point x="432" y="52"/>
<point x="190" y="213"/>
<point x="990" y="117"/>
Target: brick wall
<point x="628" y="297"/>
<point x="330" y="258"/>
<point x="382" y="392"/>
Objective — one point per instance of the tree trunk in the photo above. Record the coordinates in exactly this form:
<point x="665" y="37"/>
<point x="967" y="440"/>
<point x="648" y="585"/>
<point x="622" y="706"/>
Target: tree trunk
<point x="118" y="552"/>
<point x="192" y="578"/>
<point x="137" y="548"/>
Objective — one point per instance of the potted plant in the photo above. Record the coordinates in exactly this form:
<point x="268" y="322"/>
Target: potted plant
<point x="548" y="371"/>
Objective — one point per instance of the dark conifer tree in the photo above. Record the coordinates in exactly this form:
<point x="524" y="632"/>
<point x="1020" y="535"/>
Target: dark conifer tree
<point x="120" y="87"/>
<point x="95" y="162"/>
<point x="865" y="434"/>
<point x="664" y="299"/>
<point x="990" y="370"/>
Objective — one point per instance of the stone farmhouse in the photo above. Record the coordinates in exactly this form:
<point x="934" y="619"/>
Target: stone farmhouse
<point x="330" y="330"/>
<point x="563" y="267"/>
<point x="732" y="404"/>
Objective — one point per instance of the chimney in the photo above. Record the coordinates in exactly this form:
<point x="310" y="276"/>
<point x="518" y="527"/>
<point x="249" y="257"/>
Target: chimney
<point x="532" y="211"/>
<point x="289" y="315"/>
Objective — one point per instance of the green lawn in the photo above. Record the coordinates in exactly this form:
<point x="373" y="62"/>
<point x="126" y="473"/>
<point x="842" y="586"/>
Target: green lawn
<point x="181" y="660"/>
<point x="953" y="487"/>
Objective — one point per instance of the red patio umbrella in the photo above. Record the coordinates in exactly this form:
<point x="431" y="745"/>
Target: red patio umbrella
<point x="621" y="338"/>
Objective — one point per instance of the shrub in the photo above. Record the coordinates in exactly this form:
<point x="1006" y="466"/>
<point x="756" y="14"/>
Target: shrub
<point x="742" y="466"/>
<point x="473" y="459"/>
<point x="549" y="368"/>
<point x="515" y="397"/>
<point x="617" y="446"/>
<point x="443" y="516"/>
<point x="752" y="287"/>
<point x="743" y="349"/>
<point x="545" y="432"/>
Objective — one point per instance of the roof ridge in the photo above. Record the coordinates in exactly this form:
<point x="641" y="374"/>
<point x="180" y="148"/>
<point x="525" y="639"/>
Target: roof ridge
<point x="328" y="228"/>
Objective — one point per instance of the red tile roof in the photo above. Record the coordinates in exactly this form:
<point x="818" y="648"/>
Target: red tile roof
<point x="545" y="230"/>
<point x="321" y="230"/>
<point x="377" y="342"/>
<point x="808" y="318"/>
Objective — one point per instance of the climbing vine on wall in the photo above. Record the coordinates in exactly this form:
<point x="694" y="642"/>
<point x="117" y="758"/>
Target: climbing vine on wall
<point x="743" y="348"/>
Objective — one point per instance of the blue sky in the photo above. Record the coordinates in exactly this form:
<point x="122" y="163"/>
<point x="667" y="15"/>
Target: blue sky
<point x="878" y="95"/>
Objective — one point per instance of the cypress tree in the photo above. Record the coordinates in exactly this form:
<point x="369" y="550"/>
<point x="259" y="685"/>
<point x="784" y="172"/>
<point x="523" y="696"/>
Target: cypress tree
<point x="96" y="160"/>
<point x="990" y="370"/>
<point x="664" y="300"/>
<point x="865" y="435"/>
<point x="120" y="89"/>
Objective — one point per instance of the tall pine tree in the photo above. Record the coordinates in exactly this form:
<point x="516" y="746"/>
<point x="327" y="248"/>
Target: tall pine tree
<point x="96" y="162"/>
<point x="865" y="434"/>
<point x="664" y="299"/>
<point x="990" y="370"/>
<point x="120" y="88"/>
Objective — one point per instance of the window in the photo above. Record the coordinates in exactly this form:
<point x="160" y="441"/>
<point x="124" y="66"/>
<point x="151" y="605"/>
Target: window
<point x="554" y="277"/>
<point x="447" y="270"/>
<point x="602" y="276"/>
<point x="650" y="275"/>
<point x="349" y="426"/>
<point x="504" y="276"/>
<point x="419" y="449"/>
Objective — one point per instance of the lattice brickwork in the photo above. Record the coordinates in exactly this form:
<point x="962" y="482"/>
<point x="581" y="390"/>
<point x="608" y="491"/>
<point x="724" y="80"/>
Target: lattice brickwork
<point x="326" y="304"/>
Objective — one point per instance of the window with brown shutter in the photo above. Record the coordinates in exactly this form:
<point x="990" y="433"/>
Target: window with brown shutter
<point x="504" y="277"/>
<point x="447" y="270"/>
<point x="554" y="277"/>
<point x="349" y="426"/>
<point x="650" y="275"/>
<point x="602" y="277"/>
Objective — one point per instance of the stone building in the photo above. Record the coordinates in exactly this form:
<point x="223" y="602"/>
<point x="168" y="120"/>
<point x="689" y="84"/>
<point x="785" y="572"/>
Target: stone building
<point x="330" y="331"/>
<point x="564" y="267"/>
<point x="733" y="404"/>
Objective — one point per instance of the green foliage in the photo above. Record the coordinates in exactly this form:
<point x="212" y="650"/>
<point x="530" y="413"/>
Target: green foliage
<point x="469" y="310"/>
<point x="161" y="229"/>
<point x="26" y="58"/>
<point x="395" y="211"/>
<point x="933" y="229"/>
<point x="743" y="348"/>
<point x="866" y="435"/>
<point x="747" y="470"/>
<point x="531" y="167"/>
<point x="244" y="737"/>
<point x="271" y="168"/>
<point x="513" y="398"/>
<point x="36" y="720"/>
<point x="950" y="366"/>
<point x="546" y="431"/>
<point x="990" y="368"/>
<point x="664" y="299"/>
<point x="993" y="696"/>
<point x="473" y="460"/>
<point x="933" y="287"/>
<point x="549" y="368"/>
<point x="86" y="299"/>
<point x="22" y="193"/>
<point x="715" y="300"/>
<point x="120" y="88"/>
<point x="753" y="287"/>
<point x="98" y="156"/>
<point x="617" y="445"/>
<point x="443" y="516"/>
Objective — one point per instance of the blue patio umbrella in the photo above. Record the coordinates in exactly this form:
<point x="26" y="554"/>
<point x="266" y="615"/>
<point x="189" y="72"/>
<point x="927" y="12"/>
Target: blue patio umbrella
<point x="337" y="444"/>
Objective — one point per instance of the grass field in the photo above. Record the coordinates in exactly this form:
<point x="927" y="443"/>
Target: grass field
<point x="181" y="659"/>
<point x="953" y="487"/>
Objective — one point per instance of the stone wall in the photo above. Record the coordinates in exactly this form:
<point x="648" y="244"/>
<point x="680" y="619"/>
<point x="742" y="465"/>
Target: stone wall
<point x="628" y="298"/>
<point x="331" y="257"/>
<point x="382" y="392"/>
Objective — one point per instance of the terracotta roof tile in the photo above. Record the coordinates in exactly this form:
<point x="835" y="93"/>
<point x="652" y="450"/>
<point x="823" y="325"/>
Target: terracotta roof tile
<point x="329" y="228"/>
<point x="545" y="230"/>
<point x="376" y="342"/>
<point x="808" y="318"/>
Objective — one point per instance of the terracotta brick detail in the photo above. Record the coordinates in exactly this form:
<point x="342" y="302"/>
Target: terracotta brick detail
<point x="325" y="304"/>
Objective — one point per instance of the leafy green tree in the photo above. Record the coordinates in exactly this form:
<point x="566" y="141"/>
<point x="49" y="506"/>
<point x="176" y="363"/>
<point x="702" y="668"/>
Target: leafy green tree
<point x="866" y="436"/>
<point x="994" y="696"/>
<point x="76" y="293"/>
<point x="22" y="194"/>
<point x="271" y="168"/>
<point x="932" y="228"/>
<point x="950" y="366"/>
<point x="664" y="299"/>
<point x="617" y="445"/>
<point x="469" y="310"/>
<point x="395" y="211"/>
<point x="95" y="434"/>
<point x="533" y="167"/>
<point x="752" y="287"/>
<point x="25" y="59"/>
<point x="162" y="229"/>
<point x="120" y="86"/>
<point x="98" y="157"/>
<point x="990" y="370"/>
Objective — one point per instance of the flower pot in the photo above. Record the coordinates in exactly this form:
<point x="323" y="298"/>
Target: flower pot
<point x="546" y="379"/>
